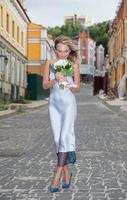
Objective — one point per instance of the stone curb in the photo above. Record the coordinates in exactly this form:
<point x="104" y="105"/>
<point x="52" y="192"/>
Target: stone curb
<point x="118" y="109"/>
<point x="14" y="108"/>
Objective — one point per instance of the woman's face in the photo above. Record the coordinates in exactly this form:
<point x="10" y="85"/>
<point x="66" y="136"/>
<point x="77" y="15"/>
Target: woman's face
<point x="62" y="51"/>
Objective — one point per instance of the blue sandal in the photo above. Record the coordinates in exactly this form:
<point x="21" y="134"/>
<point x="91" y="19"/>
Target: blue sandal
<point x="53" y="188"/>
<point x="67" y="185"/>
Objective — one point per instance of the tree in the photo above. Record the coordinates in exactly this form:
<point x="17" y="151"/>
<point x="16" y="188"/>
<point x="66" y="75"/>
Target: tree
<point x="54" y="31"/>
<point x="70" y="30"/>
<point x="99" y="33"/>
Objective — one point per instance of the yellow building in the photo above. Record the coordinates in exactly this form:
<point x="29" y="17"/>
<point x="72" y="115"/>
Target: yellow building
<point x="34" y="48"/>
<point x="118" y="46"/>
<point x="40" y="48"/>
<point x="13" y="45"/>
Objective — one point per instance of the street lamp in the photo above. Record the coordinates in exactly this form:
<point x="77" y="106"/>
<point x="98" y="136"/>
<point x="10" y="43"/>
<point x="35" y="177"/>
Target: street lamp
<point x="5" y="63"/>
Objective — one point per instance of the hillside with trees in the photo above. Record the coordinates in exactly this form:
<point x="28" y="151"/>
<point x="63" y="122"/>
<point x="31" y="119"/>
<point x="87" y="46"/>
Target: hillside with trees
<point x="70" y="30"/>
<point x="98" y="32"/>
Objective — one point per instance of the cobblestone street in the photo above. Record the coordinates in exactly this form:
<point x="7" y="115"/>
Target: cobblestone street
<point x="27" y="154"/>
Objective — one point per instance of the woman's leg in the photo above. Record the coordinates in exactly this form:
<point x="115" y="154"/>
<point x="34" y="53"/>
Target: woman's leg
<point x="66" y="178"/>
<point x="61" y="162"/>
<point x="58" y="173"/>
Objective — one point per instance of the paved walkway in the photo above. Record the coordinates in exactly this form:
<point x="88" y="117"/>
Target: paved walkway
<point x="13" y="107"/>
<point x="27" y="156"/>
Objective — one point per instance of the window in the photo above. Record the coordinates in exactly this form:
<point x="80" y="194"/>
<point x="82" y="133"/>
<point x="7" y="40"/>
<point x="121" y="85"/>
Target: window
<point x="83" y="44"/>
<point x="13" y="29"/>
<point x="22" y="38"/>
<point x="7" y="23"/>
<point x="83" y="60"/>
<point x="1" y="15"/>
<point x="83" y="52"/>
<point x="17" y="33"/>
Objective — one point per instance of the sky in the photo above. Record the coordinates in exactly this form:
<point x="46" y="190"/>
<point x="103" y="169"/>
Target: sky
<point x="50" y="13"/>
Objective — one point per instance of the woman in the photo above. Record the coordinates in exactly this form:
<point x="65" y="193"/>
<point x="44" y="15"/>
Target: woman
<point x="62" y="108"/>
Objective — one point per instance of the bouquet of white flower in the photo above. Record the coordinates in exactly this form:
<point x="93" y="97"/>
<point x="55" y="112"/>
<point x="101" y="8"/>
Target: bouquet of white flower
<point x="65" y="67"/>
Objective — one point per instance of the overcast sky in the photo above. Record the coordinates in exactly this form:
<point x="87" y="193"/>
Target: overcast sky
<point x="51" y="12"/>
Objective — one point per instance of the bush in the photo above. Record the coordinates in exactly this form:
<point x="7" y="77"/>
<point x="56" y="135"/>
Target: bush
<point x="23" y="101"/>
<point x="4" y="107"/>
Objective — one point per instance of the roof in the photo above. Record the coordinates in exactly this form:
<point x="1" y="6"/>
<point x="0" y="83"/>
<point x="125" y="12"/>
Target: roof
<point x="24" y="10"/>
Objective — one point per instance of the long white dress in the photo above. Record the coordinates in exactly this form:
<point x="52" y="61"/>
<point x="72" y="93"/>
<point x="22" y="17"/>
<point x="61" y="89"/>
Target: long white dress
<point x="62" y="112"/>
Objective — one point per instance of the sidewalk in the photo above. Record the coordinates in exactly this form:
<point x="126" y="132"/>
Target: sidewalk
<point x="36" y="104"/>
<point x="14" y="107"/>
<point x="115" y="103"/>
<point x="6" y="112"/>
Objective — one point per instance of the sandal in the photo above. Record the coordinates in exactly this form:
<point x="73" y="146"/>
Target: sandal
<point x="67" y="185"/>
<point x="54" y="188"/>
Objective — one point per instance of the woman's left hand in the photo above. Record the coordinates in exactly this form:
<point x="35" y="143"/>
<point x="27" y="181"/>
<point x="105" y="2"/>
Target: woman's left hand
<point x="74" y="89"/>
<point x="60" y="77"/>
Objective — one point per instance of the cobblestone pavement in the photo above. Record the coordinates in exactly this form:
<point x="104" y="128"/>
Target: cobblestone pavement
<point x="27" y="154"/>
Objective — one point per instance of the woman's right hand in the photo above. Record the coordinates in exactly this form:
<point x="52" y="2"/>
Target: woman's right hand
<point x="60" y="77"/>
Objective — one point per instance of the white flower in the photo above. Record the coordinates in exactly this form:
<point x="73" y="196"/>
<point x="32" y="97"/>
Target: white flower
<point x="60" y="62"/>
<point x="65" y="67"/>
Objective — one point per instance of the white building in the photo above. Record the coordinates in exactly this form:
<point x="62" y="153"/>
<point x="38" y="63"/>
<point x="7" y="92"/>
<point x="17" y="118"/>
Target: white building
<point x="13" y="45"/>
<point x="99" y="57"/>
<point x="47" y="46"/>
<point x="84" y="20"/>
<point x="91" y="52"/>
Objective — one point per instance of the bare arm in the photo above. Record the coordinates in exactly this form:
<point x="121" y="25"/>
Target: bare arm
<point x="76" y="79"/>
<point x="46" y="82"/>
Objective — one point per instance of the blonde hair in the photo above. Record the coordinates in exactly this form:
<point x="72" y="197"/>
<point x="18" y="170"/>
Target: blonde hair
<point x="73" y="56"/>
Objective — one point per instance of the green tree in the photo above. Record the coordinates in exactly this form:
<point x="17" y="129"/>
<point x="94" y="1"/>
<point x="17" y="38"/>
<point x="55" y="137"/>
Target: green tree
<point x="70" y="30"/>
<point x="54" y="31"/>
<point x="99" y="33"/>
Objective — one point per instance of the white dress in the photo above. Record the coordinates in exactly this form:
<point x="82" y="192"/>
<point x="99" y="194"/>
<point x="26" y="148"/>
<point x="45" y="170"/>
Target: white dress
<point x="62" y="112"/>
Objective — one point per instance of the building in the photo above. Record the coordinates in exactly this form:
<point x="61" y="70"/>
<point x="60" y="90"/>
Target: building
<point x="40" y="48"/>
<point x="118" y="46"/>
<point x="13" y="40"/>
<point x="86" y="46"/>
<point x="99" y="57"/>
<point x="84" y="20"/>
